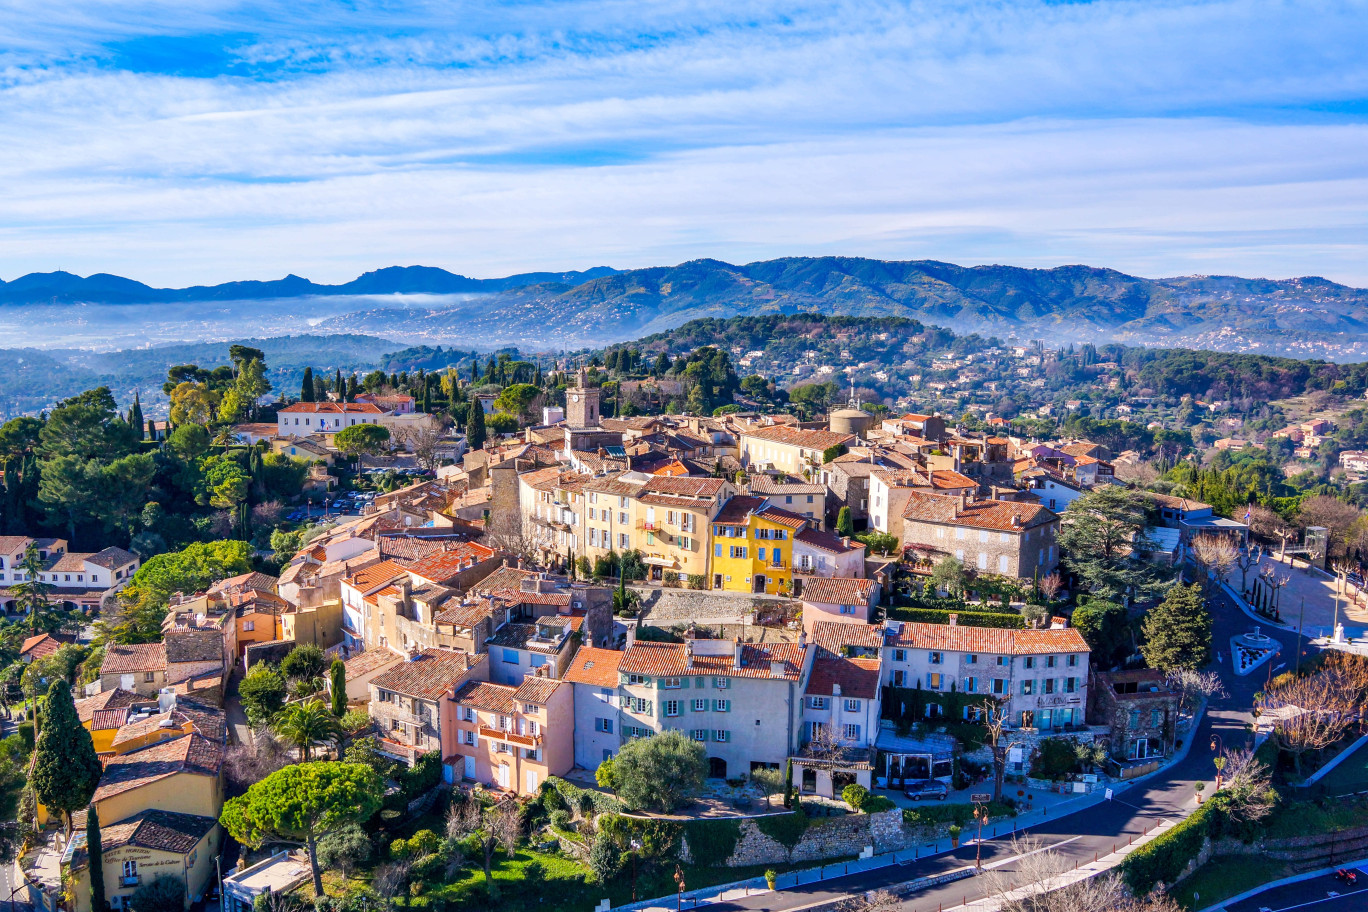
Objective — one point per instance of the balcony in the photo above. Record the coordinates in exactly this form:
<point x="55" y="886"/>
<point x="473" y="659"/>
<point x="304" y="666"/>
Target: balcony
<point x="130" y="881"/>
<point x="498" y="734"/>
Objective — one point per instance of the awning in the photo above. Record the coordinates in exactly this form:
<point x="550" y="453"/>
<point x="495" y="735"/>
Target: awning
<point x="659" y="561"/>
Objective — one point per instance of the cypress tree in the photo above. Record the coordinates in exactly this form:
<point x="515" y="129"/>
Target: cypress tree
<point x="135" y="417"/>
<point x="788" y="784"/>
<point x="475" y="425"/>
<point x="491" y="370"/>
<point x="95" y="852"/>
<point x="475" y="369"/>
<point x="338" y="673"/>
<point x="844" y="524"/>
<point x="339" y="387"/>
<point x="427" y="399"/>
<point x="306" y="388"/>
<point x="66" y="769"/>
<point x="353" y="387"/>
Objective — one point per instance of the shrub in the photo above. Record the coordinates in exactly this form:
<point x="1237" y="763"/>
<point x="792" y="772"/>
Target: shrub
<point x="711" y="842"/>
<point x="995" y="619"/>
<point x="1053" y="759"/>
<point x="785" y="829"/>
<point x="661" y="772"/>
<point x="165" y="894"/>
<point x="604" y="859"/>
<point x="670" y="578"/>
<point x="1164" y="857"/>
<point x="560" y="819"/>
<point x="854" y="795"/>
<point x="875" y="804"/>
<point x="345" y="848"/>
<point x="697" y="581"/>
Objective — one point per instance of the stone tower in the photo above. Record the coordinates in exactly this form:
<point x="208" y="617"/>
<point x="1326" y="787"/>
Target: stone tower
<point x="582" y="403"/>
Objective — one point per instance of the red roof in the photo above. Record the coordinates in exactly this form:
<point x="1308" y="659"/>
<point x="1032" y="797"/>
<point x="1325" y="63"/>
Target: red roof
<point x="40" y="646"/>
<point x="333" y="408"/>
<point x="812" y="440"/>
<point x="988" y="640"/>
<point x="427" y="675"/>
<point x="856" y="677"/>
<point x="837" y="590"/>
<point x="596" y="667"/>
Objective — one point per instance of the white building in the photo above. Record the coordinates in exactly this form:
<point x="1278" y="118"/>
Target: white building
<point x="742" y="701"/>
<point x="598" y="727"/>
<point x="304" y="418"/>
<point x="1041" y="674"/>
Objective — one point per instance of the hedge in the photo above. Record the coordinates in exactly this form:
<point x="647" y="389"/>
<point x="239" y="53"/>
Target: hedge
<point x="582" y="799"/>
<point x="711" y="842"/>
<point x="960" y="814"/>
<point x="1164" y="857"/>
<point x="785" y="829"/>
<point x="963" y="618"/>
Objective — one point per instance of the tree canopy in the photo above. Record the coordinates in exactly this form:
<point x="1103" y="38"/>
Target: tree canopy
<point x="1177" y="631"/>
<point x="661" y="772"/>
<point x="66" y="770"/>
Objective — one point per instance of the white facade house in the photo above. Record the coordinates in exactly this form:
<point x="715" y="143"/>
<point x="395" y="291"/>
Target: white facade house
<point x="1041" y="674"/>
<point x="826" y="554"/>
<point x="79" y="579"/>
<point x="741" y="701"/>
<point x="841" y="708"/>
<point x="598" y="726"/>
<point x="304" y="418"/>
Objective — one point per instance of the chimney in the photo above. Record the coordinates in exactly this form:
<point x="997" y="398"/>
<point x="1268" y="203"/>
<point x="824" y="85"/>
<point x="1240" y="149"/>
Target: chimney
<point x="802" y="639"/>
<point x="413" y="653"/>
<point x="776" y="669"/>
<point x="631" y="637"/>
<point x="736" y="652"/>
<point x="845" y="541"/>
<point x="953" y="620"/>
<point x="688" y="653"/>
<point x="519" y="561"/>
<point x="963" y="498"/>
<point x="835" y="691"/>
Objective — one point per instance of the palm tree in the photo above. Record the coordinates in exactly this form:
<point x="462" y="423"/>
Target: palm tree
<point x="305" y="725"/>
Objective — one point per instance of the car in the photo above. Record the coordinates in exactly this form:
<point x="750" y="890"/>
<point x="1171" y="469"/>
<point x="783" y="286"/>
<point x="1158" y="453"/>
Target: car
<point x="1347" y="876"/>
<point x="926" y="788"/>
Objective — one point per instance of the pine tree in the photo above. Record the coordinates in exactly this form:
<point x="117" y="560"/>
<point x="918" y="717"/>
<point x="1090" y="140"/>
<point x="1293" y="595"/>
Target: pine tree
<point x="66" y="769"/>
<point x="95" y="852"/>
<point x="1177" y="631"/>
<point x="475" y="425"/>
<point x="306" y="388"/>
<point x="338" y="673"/>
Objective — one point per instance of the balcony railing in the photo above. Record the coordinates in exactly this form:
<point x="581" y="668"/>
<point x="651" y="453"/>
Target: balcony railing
<point x="498" y="734"/>
<point x="130" y="880"/>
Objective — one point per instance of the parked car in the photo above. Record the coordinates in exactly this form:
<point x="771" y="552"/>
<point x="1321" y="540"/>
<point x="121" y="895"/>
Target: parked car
<point x="1347" y="876"/>
<point x="926" y="788"/>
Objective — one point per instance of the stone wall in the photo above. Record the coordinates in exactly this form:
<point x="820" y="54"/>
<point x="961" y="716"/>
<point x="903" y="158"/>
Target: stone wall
<point x="825" y="837"/>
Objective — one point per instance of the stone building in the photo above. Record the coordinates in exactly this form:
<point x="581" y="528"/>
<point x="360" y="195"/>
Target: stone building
<point x="994" y="536"/>
<point x="1139" y="707"/>
<point x="406" y="701"/>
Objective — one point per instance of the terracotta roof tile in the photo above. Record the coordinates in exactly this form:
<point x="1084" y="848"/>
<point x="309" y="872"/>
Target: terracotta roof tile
<point x="856" y="677"/>
<point x="114" y="698"/>
<point x="333" y="408"/>
<point x="376" y="576"/>
<point x="813" y="440"/>
<point x="428" y="675"/>
<point x="837" y="590"/>
<point x="44" y="644"/>
<point x="489" y="697"/>
<point x="987" y="640"/>
<point x="120" y="659"/>
<point x="829" y="542"/>
<point x="595" y="667"/>
<point x="685" y="486"/>
<point x="536" y="689"/>
<point x="188" y="754"/>
<point x="833" y="635"/>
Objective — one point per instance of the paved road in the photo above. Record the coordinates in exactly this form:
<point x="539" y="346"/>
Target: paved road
<point x="1081" y="835"/>
<point x="1323" y="894"/>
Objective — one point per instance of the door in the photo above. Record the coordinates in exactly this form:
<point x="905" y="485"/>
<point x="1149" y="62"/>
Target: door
<point x="759" y="582"/>
<point x="531" y="782"/>
<point x="717" y="768"/>
<point x="503" y="775"/>
<point x="469" y="771"/>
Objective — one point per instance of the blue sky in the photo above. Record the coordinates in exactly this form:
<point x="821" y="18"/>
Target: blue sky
<point x="182" y="142"/>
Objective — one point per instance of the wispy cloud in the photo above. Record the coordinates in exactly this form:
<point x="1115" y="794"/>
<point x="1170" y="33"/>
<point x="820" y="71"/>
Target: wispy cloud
<point x="224" y="140"/>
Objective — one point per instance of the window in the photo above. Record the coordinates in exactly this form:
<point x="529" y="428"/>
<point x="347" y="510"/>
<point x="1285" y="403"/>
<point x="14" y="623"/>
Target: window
<point x="999" y="686"/>
<point x="852" y="732"/>
<point x="467" y="714"/>
<point x="1050" y="661"/>
<point x="530" y="709"/>
<point x="670" y="683"/>
<point x="722" y="706"/>
<point x="636" y="679"/>
<point x="1134" y="721"/>
<point x="468" y="737"/>
<point x="721" y="683"/>
<point x="937" y="658"/>
<point x="1027" y="687"/>
<point x="1156" y="717"/>
<point x="761" y="553"/>
<point x="717" y="550"/>
<point x="1028" y="662"/>
<point x="1049" y="685"/>
<point x="248" y="626"/>
<point x="502" y="747"/>
<point x="817" y="702"/>
<point x="671" y="707"/>
<point x="130" y="872"/>
<point x="852" y="706"/>
<point x="623" y="540"/>
<point x="603" y="725"/>
<point x="722" y="735"/>
<point x="149" y="677"/>
<point x="510" y="656"/>
<point x="699" y="734"/>
<point x="1004" y="660"/>
<point x="700" y="706"/>
<point x="739" y="552"/>
<point x="971" y="659"/>
<point x="1070" y="684"/>
<point x="1073" y="661"/>
<point x="971" y="685"/>
<point x="686" y="543"/>
<point x="933" y="680"/>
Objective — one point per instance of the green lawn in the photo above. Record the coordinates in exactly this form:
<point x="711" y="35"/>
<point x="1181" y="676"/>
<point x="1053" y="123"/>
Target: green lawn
<point x="1298" y="818"/>
<point x="1222" y="878"/>
<point x="1350" y="776"/>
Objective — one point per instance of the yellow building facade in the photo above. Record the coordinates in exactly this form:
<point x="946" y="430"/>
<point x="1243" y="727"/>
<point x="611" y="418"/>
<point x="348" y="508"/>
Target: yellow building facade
<point x="752" y="547"/>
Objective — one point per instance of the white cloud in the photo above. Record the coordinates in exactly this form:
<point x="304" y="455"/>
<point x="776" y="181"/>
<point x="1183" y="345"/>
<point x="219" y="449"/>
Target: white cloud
<point x="1156" y="137"/>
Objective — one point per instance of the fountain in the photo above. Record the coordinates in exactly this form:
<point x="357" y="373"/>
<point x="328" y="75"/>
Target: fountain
<point x="1250" y="650"/>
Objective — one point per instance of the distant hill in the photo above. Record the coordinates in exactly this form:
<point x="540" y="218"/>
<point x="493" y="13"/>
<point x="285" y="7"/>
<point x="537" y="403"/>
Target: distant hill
<point x="1303" y="317"/>
<point x="101" y="288"/>
<point x="1306" y="317"/>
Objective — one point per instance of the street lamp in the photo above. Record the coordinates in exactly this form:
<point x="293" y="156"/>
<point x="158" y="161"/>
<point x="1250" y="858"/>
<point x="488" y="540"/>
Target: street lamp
<point x="679" y="888"/>
<point x="980" y="817"/>
<point x="636" y="847"/>
<point x="1220" y="758"/>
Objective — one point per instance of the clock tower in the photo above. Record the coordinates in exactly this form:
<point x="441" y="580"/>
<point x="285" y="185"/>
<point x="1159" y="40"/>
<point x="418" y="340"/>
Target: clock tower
<point x="582" y="403"/>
